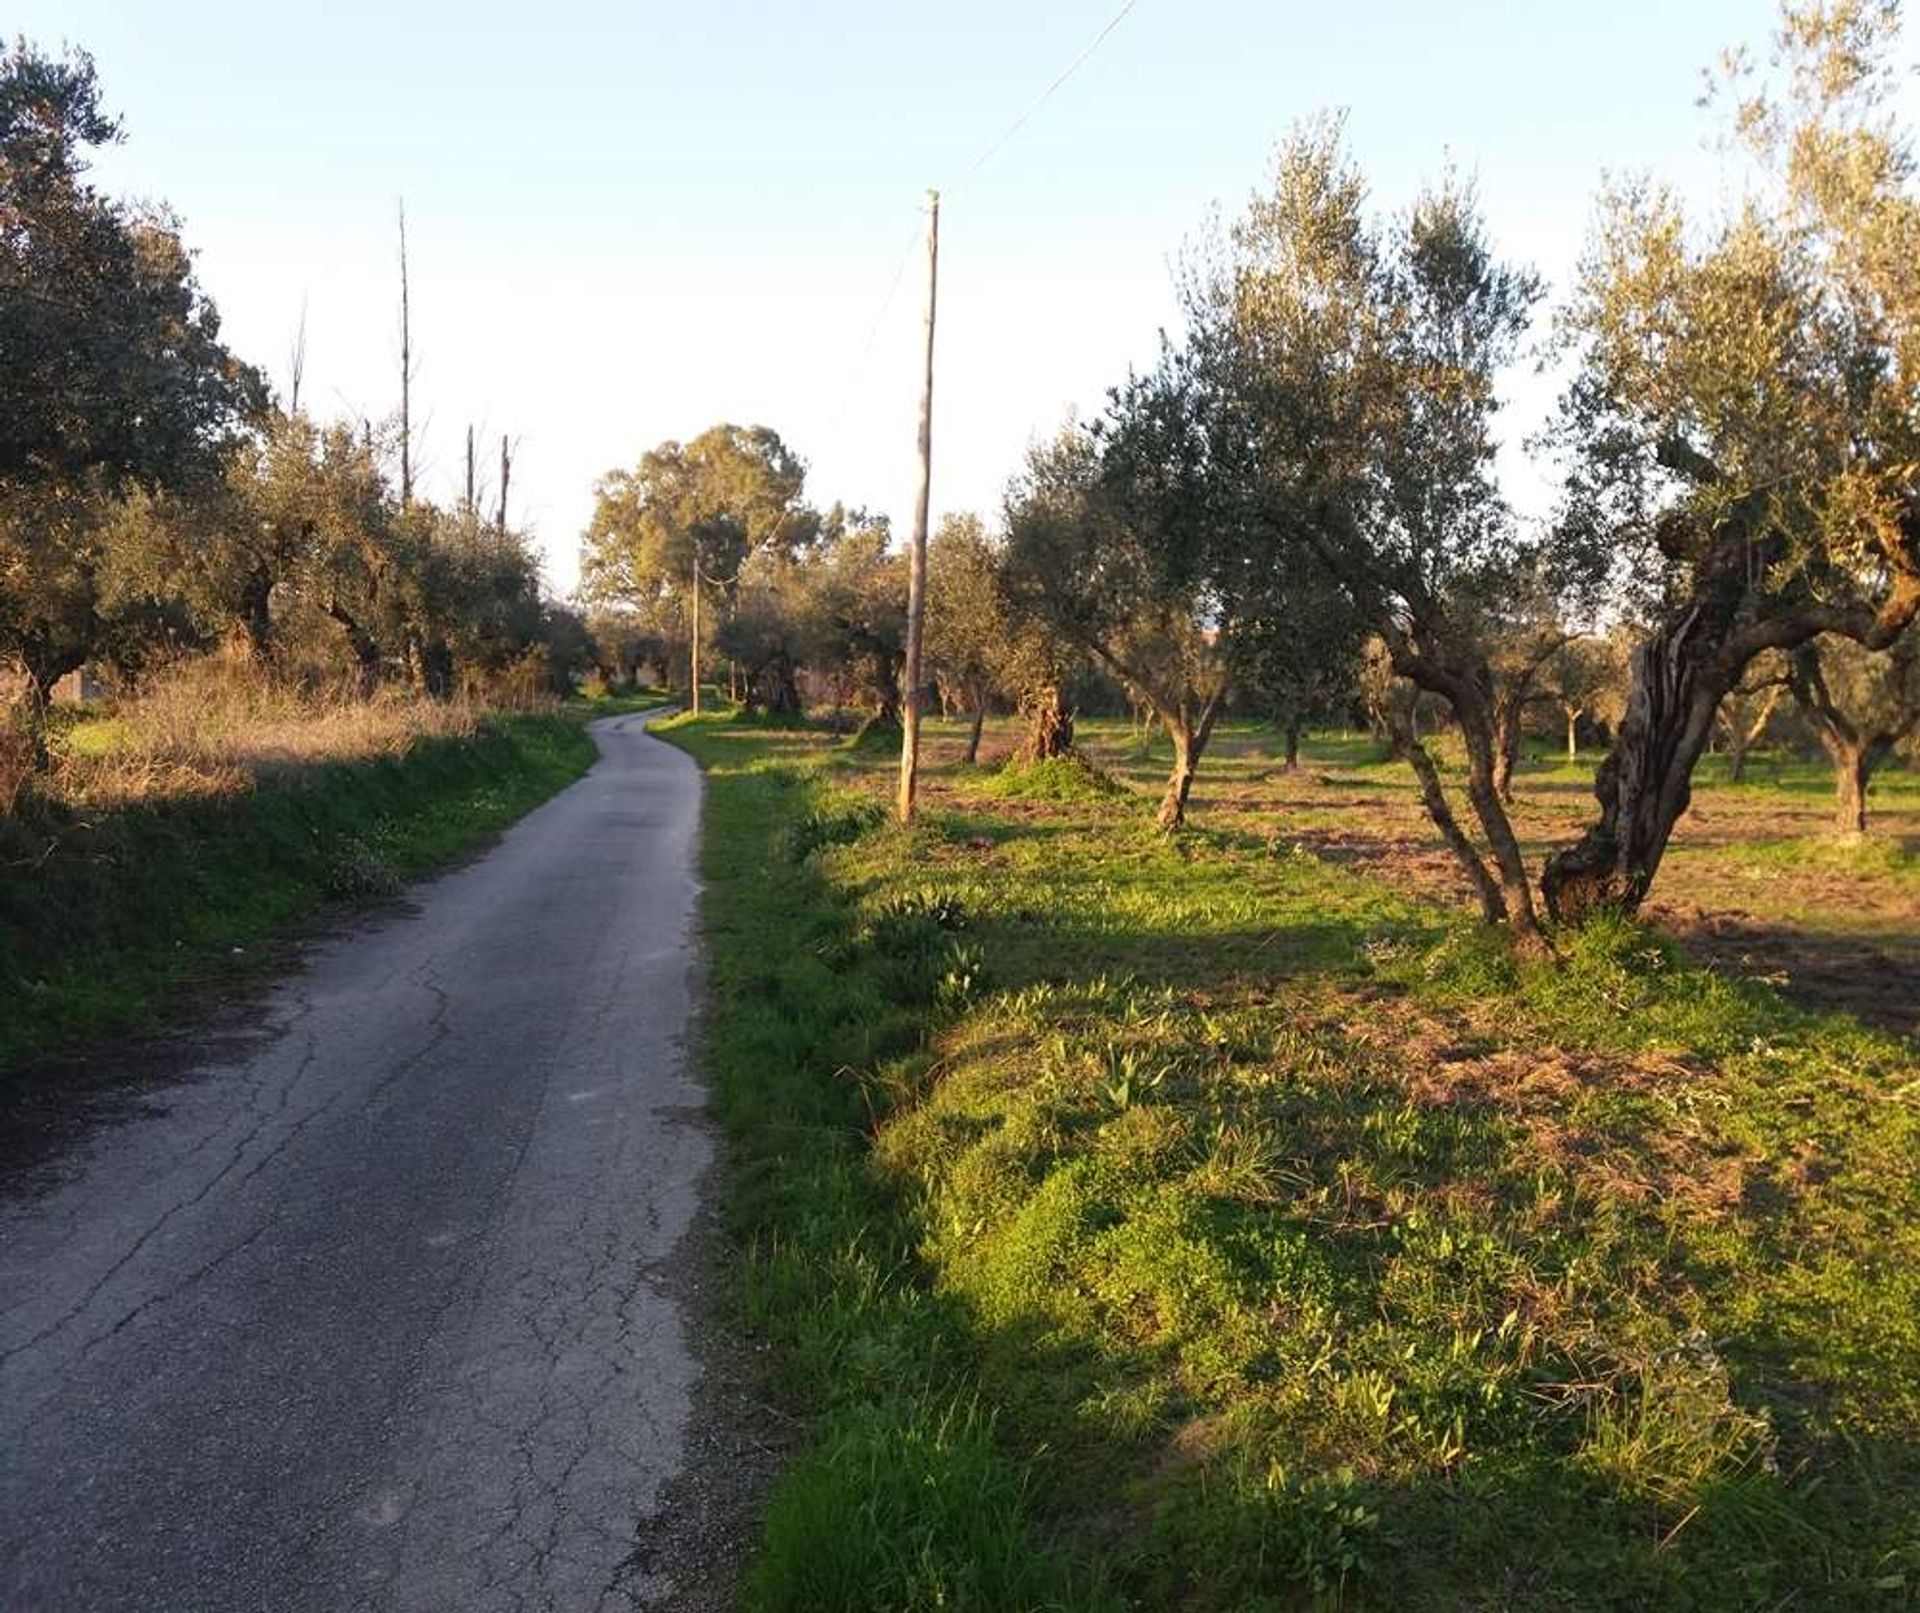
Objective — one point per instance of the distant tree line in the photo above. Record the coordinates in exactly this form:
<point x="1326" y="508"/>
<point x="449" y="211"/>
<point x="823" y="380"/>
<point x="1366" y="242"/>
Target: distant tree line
<point x="157" y="499"/>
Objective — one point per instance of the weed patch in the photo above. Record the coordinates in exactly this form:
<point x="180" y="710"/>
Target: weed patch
<point x="1054" y="778"/>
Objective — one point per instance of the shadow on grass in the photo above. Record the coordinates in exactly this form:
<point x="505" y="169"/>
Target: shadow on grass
<point x="1158" y="1253"/>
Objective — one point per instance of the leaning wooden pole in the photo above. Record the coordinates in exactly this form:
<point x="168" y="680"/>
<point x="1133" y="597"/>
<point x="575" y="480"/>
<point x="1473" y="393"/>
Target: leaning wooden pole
<point x="917" y="558"/>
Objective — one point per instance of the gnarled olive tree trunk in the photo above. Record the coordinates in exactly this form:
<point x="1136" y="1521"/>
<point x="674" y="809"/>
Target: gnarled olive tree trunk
<point x="1853" y="766"/>
<point x="46" y="656"/>
<point x="366" y="648"/>
<point x="777" y="686"/>
<point x="1049" y="725"/>
<point x="1679" y="676"/>
<point x="256" y="614"/>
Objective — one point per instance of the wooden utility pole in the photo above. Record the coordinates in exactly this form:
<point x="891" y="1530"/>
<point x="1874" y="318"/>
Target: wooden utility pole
<point x="917" y="558"/>
<point x="406" y="373"/>
<point x="473" y="503"/>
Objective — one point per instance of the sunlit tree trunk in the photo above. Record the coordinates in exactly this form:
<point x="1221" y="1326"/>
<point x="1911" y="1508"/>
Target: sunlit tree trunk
<point x="1498" y="872"/>
<point x="366" y="650"/>
<point x="1189" y="736"/>
<point x="1506" y="748"/>
<point x="1852" y="769"/>
<point x="1646" y="781"/>
<point x="1049" y="725"/>
<point x="256" y="614"/>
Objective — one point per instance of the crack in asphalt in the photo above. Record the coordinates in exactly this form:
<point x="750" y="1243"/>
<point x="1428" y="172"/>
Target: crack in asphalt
<point x="406" y="1344"/>
<point x="147" y="1233"/>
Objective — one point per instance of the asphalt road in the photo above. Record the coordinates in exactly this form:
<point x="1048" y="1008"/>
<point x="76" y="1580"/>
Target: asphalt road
<point x="376" y="1314"/>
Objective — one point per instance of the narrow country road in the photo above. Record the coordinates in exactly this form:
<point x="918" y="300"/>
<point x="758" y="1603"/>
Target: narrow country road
<point x="376" y="1315"/>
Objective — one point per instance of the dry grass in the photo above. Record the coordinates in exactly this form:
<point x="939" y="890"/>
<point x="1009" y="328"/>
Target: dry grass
<point x="16" y="766"/>
<point x="212" y="727"/>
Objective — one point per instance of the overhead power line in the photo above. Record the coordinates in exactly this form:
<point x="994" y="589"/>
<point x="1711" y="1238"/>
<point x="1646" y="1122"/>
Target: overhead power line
<point x="987" y="155"/>
<point x="1043" y="97"/>
<point x="858" y="368"/>
<point x="886" y="304"/>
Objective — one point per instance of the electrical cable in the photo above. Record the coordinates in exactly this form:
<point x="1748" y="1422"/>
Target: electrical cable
<point x="1043" y="97"/>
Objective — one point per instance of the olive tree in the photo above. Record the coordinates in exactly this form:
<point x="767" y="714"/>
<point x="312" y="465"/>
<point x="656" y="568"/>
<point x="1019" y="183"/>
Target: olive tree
<point x="1106" y="546"/>
<point x="968" y="628"/>
<point x="1745" y="427"/>
<point x="853" y="604"/>
<point x="115" y="376"/>
<point x="1355" y="361"/>
<point x="1862" y="703"/>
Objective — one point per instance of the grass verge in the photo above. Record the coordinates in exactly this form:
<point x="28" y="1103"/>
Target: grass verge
<point x="1191" y="1223"/>
<point x="106" y="914"/>
<point x="907" y="1498"/>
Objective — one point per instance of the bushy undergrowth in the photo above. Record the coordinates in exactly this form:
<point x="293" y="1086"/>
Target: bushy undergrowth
<point x="835" y="819"/>
<point x="1274" y="1239"/>
<point x="211" y="727"/>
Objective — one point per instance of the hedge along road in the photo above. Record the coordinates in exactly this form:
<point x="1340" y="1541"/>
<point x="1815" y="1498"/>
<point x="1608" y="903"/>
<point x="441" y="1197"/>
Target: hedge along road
<point x="376" y="1315"/>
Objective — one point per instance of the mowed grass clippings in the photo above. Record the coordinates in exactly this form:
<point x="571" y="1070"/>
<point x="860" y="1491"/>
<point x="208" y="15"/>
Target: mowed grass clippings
<point x="1197" y="1223"/>
<point x="107" y="911"/>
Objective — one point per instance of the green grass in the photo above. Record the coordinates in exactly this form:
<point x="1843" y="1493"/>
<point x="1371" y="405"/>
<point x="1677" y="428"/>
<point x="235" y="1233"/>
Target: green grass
<point x="1187" y="1222"/>
<point x="1056" y="778"/>
<point x="106" y="915"/>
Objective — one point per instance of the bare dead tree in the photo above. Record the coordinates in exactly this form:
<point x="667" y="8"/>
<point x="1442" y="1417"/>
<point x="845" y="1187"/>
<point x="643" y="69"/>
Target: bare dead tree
<point x="406" y="371"/>
<point x="297" y="360"/>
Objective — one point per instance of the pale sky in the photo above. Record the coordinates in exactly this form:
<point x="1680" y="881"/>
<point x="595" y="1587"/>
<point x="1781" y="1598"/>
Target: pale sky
<point x="629" y="223"/>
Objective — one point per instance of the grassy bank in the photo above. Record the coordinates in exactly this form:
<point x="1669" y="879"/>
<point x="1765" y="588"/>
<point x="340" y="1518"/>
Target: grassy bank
<point x="107" y="910"/>
<point x="1196" y="1223"/>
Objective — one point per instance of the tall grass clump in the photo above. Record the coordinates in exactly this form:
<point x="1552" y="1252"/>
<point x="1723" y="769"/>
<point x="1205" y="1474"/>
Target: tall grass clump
<point x="207" y="727"/>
